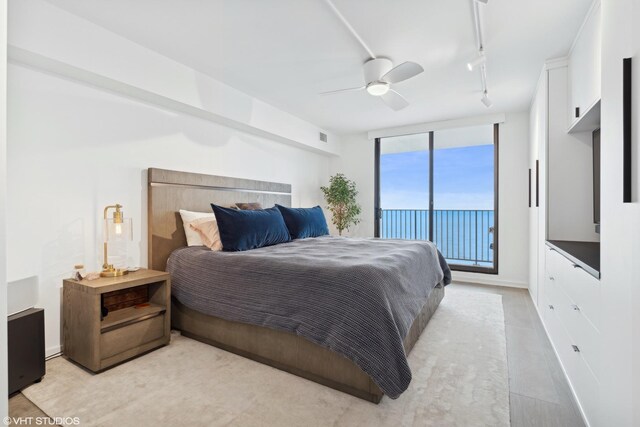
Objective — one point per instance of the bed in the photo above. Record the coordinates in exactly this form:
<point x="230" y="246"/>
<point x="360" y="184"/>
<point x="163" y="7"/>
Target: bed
<point x="286" y="339"/>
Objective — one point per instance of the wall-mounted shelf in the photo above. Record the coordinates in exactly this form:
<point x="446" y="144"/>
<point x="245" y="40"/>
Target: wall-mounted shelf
<point x="589" y="121"/>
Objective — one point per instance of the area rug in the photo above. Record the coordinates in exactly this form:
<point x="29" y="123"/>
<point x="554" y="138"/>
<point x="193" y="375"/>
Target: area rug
<point x="459" y="365"/>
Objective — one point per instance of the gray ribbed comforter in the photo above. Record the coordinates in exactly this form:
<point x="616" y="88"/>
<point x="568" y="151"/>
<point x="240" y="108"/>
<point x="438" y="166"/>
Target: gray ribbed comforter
<point x="357" y="297"/>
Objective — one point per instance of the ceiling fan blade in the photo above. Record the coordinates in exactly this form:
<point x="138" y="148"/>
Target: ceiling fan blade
<point x="402" y="72"/>
<point x="351" y="89"/>
<point x="394" y="100"/>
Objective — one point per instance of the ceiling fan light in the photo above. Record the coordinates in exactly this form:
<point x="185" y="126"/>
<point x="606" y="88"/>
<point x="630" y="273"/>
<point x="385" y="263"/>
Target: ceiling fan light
<point x="377" y="88"/>
<point x="486" y="101"/>
<point x="476" y="62"/>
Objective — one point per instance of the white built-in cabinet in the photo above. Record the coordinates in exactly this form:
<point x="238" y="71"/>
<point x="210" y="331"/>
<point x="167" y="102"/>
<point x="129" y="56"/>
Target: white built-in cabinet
<point x="570" y="310"/>
<point x="561" y="166"/>
<point x="585" y="74"/>
<point x="537" y="161"/>
<point x="568" y="167"/>
<point x="566" y="296"/>
<point x="592" y="322"/>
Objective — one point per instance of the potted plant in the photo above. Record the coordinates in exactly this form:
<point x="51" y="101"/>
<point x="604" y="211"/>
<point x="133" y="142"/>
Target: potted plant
<point x="340" y="196"/>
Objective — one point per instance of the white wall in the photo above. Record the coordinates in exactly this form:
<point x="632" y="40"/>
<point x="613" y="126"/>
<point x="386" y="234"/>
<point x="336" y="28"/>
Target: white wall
<point x="357" y="162"/>
<point x="74" y="148"/>
<point x="513" y="224"/>
<point x="3" y="171"/>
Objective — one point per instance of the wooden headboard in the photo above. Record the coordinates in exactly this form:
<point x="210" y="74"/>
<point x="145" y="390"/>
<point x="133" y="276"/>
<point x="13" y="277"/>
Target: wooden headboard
<point x="169" y="191"/>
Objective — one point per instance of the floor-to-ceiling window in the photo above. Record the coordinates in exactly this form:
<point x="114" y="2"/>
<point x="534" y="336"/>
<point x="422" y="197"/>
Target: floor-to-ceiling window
<point x="442" y="186"/>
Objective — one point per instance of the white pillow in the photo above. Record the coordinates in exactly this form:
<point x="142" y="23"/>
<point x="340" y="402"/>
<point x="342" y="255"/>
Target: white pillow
<point x="193" y="237"/>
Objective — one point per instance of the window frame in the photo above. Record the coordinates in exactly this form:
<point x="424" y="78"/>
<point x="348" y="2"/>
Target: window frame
<point x="496" y="175"/>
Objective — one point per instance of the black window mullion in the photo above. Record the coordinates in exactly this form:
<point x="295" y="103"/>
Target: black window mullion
<point x="376" y="192"/>
<point x="431" y="219"/>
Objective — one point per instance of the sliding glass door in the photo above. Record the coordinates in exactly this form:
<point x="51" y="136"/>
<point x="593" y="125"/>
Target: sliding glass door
<point x="405" y="187"/>
<point x="441" y="186"/>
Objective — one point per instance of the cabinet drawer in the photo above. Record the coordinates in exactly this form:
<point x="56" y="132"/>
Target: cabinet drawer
<point x="582" y="379"/>
<point x="554" y="327"/>
<point x="553" y="277"/>
<point x="552" y="264"/>
<point x="584" y="291"/>
<point x="550" y="300"/>
<point x="557" y="266"/>
<point x="581" y="332"/>
<point x="119" y="340"/>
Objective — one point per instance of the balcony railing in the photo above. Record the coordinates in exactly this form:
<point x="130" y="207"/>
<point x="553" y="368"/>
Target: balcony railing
<point x="462" y="236"/>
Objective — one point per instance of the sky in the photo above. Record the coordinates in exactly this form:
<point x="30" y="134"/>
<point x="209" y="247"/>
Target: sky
<point x="463" y="179"/>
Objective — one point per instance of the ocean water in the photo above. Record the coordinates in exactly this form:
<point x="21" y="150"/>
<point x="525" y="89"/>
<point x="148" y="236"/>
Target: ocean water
<point x="462" y="236"/>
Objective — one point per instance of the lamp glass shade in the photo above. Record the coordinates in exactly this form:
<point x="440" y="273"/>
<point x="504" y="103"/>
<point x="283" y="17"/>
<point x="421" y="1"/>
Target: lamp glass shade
<point x="121" y="231"/>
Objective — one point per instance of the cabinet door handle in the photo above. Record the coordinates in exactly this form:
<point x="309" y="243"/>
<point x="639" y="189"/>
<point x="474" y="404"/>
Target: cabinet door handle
<point x="552" y="278"/>
<point x="529" y="187"/>
<point x="626" y="130"/>
<point x="575" y="307"/>
<point x="577" y="112"/>
<point x="578" y="266"/>
<point x="551" y="307"/>
<point x="575" y="348"/>
<point x="537" y="183"/>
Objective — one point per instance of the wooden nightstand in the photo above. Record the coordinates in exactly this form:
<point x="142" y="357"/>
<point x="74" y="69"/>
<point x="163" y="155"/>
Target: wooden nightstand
<point x="138" y="318"/>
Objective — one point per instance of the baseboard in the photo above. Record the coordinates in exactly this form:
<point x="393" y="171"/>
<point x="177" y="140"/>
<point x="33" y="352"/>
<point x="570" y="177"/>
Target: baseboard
<point x="52" y="351"/>
<point x="487" y="279"/>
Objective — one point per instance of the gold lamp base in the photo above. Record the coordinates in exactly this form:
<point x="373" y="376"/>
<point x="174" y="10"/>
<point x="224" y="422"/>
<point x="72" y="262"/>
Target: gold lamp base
<point x="113" y="272"/>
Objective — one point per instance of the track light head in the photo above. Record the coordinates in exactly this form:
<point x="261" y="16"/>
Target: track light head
<point x="485" y="100"/>
<point x="476" y="62"/>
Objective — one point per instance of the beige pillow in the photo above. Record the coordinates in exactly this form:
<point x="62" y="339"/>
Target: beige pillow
<point x="208" y="231"/>
<point x="193" y="237"/>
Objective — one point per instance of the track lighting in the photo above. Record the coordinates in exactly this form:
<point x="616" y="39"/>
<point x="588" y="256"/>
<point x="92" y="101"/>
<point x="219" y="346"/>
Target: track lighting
<point x="485" y="100"/>
<point x="476" y="62"/>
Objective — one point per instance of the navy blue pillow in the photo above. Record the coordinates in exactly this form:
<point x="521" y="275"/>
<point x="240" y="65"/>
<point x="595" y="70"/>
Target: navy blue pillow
<point x="244" y="230"/>
<point x="304" y="222"/>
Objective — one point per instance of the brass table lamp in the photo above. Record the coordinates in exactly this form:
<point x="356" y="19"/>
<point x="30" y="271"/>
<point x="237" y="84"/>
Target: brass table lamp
<point x="116" y="229"/>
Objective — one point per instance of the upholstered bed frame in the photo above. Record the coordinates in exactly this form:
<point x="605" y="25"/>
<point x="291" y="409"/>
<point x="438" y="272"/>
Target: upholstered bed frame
<point x="169" y="191"/>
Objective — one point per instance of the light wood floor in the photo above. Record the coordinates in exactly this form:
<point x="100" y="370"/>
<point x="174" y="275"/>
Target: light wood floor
<point x="540" y="394"/>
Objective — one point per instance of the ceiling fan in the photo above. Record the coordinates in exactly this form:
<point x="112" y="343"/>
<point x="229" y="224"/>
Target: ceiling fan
<point x="379" y="75"/>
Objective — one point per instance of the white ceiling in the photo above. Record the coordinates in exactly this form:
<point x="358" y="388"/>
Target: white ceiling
<point x="286" y="51"/>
